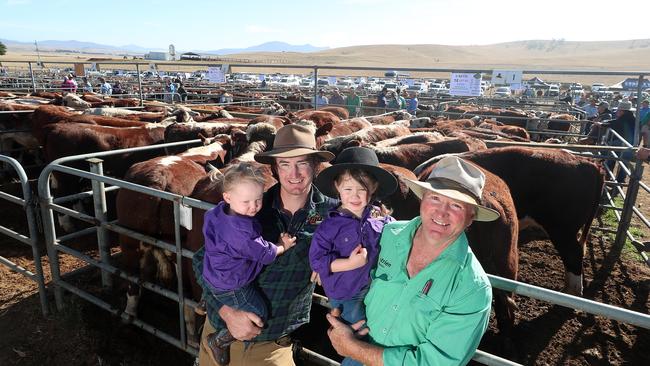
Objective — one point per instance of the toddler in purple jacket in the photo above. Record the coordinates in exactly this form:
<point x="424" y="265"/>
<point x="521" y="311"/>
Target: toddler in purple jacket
<point x="235" y="251"/>
<point x="345" y="246"/>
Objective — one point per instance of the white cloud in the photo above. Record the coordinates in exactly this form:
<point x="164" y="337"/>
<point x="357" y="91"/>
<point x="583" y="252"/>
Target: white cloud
<point x="261" y="29"/>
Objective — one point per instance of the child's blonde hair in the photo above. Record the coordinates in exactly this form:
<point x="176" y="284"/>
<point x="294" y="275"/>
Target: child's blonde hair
<point x="242" y="172"/>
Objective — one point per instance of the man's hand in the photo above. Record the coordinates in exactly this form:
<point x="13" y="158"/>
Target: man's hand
<point x="243" y="325"/>
<point x="344" y="338"/>
<point x="643" y="154"/>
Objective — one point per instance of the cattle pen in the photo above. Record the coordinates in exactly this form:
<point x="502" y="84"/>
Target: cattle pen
<point x="41" y="207"/>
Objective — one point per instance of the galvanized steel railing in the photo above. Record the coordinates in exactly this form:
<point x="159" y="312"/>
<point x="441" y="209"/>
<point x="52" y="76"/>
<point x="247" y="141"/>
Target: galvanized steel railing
<point x="31" y="239"/>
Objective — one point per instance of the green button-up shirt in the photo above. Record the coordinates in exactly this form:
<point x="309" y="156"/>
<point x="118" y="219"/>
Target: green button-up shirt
<point x="435" y="318"/>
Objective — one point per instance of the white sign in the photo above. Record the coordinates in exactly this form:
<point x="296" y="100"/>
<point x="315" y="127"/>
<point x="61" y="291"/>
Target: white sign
<point x="465" y="84"/>
<point x="185" y="216"/>
<point x="216" y="75"/>
<point x="332" y="80"/>
<point x="506" y="77"/>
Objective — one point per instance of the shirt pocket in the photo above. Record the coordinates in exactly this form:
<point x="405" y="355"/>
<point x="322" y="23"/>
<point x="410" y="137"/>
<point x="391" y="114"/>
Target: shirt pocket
<point x="425" y="310"/>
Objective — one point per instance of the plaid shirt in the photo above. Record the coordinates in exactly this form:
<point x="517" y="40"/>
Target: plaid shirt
<point x="284" y="284"/>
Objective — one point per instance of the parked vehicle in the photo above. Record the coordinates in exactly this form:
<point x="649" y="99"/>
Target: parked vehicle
<point x="502" y="92"/>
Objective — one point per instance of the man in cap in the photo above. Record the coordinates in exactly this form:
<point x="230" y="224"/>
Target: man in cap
<point x="294" y="205"/>
<point x="321" y="99"/>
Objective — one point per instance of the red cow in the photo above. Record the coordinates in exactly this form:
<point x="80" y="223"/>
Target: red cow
<point x="153" y="216"/>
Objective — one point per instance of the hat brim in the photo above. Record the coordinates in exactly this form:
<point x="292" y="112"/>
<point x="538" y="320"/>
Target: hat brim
<point x="387" y="183"/>
<point x="268" y="157"/>
<point x="483" y="213"/>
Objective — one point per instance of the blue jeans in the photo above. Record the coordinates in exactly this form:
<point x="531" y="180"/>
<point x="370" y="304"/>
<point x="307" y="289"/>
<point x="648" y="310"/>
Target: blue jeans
<point x="352" y="310"/>
<point x="246" y="298"/>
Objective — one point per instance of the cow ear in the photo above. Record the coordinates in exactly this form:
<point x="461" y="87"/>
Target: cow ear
<point x="324" y="129"/>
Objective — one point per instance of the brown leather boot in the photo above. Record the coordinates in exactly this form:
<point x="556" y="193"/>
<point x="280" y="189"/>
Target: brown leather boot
<point x="220" y="347"/>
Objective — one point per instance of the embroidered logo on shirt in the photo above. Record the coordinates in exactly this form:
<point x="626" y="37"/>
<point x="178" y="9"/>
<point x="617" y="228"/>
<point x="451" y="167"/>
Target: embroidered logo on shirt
<point x="384" y="263"/>
<point x="314" y="218"/>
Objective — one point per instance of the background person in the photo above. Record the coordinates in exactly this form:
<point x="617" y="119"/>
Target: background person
<point x="353" y="103"/>
<point x="429" y="299"/>
<point x="336" y="98"/>
<point x="104" y="87"/>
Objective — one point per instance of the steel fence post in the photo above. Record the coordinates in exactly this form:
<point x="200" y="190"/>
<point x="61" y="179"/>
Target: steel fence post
<point x="315" y="86"/>
<point x="49" y="232"/>
<point x="31" y="73"/>
<point x="99" y="204"/>
<point x="628" y="205"/>
<point x="179" y="272"/>
<point x="137" y="69"/>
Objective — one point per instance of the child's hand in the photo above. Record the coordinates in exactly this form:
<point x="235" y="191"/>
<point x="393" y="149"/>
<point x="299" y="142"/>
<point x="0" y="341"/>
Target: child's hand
<point x="359" y="256"/>
<point x="287" y="241"/>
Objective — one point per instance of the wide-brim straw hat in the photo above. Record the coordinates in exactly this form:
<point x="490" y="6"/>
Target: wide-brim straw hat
<point x="291" y="141"/>
<point x="360" y="158"/>
<point x="457" y="179"/>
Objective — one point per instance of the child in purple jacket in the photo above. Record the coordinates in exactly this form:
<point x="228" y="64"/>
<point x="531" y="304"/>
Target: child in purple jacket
<point x="235" y="251"/>
<point x="345" y="246"/>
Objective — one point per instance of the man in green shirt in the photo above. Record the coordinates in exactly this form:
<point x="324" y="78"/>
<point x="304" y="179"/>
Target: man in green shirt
<point x="429" y="299"/>
<point x="353" y="103"/>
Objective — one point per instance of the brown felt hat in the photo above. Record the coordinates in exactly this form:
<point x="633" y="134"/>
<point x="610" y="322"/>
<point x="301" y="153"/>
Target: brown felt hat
<point x="291" y="141"/>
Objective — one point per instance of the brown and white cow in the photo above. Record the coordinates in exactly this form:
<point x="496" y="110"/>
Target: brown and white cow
<point x="153" y="216"/>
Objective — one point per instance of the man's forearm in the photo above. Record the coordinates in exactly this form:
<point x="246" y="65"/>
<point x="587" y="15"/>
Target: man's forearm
<point x="366" y="353"/>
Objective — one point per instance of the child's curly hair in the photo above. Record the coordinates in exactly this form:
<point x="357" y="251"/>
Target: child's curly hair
<point x="242" y="172"/>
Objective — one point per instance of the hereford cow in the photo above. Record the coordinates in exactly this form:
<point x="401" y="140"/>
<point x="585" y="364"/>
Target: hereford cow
<point x="329" y="131"/>
<point x="409" y="156"/>
<point x="319" y="117"/>
<point x="363" y="137"/>
<point x="340" y="112"/>
<point x="154" y="216"/>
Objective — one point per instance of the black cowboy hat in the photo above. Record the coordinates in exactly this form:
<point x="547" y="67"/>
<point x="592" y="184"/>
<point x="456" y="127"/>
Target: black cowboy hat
<point x="356" y="158"/>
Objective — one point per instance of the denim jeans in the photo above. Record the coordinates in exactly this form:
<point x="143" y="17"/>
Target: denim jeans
<point x="246" y="298"/>
<point x="352" y="310"/>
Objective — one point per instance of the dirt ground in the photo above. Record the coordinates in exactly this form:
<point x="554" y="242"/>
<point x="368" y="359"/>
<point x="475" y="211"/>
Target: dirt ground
<point x="83" y="334"/>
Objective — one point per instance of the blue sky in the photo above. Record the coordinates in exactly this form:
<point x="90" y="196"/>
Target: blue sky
<point x="209" y="25"/>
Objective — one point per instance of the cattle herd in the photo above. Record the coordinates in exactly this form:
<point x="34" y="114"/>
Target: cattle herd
<point x="553" y="188"/>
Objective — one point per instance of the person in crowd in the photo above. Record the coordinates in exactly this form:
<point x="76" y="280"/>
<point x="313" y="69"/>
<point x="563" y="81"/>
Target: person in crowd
<point x="182" y="92"/>
<point x="382" y="101"/>
<point x="412" y="103"/>
<point x="396" y="101"/>
<point x="67" y="86"/>
<point x="295" y="206"/>
<point x="170" y="90"/>
<point x="117" y="88"/>
<point x="104" y="87"/>
<point x="345" y="246"/>
<point x="644" y="124"/>
<point x="73" y="80"/>
<point x="86" y="85"/>
<point x="321" y="99"/>
<point x="645" y="108"/>
<point x="336" y="98"/>
<point x="429" y="298"/>
<point x="263" y="84"/>
<point x="236" y="252"/>
<point x="353" y="103"/>
<point x="591" y="109"/>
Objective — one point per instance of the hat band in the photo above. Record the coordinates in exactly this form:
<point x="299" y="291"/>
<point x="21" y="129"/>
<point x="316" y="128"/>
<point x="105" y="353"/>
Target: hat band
<point x="452" y="184"/>
<point x="294" y="146"/>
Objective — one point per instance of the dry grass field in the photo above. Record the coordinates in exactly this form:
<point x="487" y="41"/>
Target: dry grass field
<point x="629" y="55"/>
